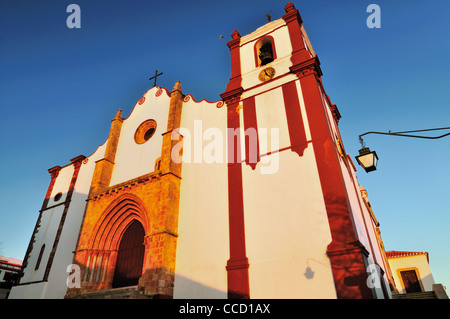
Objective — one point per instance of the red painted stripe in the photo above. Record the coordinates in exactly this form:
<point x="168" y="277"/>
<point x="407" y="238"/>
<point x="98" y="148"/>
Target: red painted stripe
<point x="233" y="45"/>
<point x="237" y="265"/>
<point x="346" y="253"/>
<point x="251" y="128"/>
<point x="77" y="161"/>
<point x="294" y="22"/>
<point x="327" y="162"/>
<point x="54" y="171"/>
<point x="296" y="127"/>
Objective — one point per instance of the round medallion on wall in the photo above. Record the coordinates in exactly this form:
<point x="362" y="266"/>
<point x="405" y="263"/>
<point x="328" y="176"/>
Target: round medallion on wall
<point x="266" y="74"/>
<point x="145" y="131"/>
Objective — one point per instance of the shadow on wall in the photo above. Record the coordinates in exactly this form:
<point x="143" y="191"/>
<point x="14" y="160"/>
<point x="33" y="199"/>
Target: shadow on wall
<point x="186" y="288"/>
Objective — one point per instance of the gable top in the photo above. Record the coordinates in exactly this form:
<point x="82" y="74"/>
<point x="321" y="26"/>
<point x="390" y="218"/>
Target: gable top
<point x="270" y="27"/>
<point x="399" y="254"/>
<point x="263" y="30"/>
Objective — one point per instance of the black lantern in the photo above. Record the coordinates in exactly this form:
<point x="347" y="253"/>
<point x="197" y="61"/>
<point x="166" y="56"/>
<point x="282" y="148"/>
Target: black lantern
<point x="367" y="159"/>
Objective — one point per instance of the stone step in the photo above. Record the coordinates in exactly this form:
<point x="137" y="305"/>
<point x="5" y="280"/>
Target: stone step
<point x="415" y="295"/>
<point x="118" y="293"/>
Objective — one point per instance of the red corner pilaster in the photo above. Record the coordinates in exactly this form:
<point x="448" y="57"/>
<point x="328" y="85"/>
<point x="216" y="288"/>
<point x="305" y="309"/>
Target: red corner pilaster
<point x="76" y="162"/>
<point x="237" y="265"/>
<point x="54" y="171"/>
<point x="294" y="22"/>
<point x="252" y="155"/>
<point x="235" y="79"/>
<point x="347" y="255"/>
<point x="300" y="56"/>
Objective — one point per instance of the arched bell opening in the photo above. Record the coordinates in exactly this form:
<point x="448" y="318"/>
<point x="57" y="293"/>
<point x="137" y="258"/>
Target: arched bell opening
<point x="265" y="51"/>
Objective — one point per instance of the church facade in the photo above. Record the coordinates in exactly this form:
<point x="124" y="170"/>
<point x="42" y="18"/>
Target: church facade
<point x="252" y="196"/>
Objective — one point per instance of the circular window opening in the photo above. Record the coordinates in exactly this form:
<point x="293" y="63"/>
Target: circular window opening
<point x="145" y="131"/>
<point x="58" y="197"/>
<point x="149" y="133"/>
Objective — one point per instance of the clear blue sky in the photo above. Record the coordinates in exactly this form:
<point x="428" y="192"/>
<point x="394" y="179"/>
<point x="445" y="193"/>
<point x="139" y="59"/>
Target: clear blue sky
<point x="60" y="87"/>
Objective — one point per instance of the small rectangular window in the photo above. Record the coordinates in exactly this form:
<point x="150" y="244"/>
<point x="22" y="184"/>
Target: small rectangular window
<point x="38" y="262"/>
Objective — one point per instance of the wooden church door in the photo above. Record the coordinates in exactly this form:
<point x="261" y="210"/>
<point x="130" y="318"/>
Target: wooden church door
<point x="130" y="257"/>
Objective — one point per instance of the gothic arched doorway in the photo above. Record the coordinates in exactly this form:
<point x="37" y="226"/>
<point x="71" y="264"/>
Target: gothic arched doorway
<point x="130" y="257"/>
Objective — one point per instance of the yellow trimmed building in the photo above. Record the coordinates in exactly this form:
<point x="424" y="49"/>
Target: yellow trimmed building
<point x="412" y="273"/>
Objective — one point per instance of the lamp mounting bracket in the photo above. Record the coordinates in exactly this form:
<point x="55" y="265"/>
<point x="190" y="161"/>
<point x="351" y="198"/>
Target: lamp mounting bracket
<point x="406" y="134"/>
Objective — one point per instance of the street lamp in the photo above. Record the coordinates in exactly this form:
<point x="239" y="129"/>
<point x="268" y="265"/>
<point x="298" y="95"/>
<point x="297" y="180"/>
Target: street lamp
<point x="368" y="160"/>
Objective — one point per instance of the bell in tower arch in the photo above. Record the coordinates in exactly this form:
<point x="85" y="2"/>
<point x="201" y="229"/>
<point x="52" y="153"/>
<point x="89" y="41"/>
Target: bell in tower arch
<point x="266" y="53"/>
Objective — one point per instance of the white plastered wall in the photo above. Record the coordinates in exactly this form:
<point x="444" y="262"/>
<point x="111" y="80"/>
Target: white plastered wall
<point x="64" y="255"/>
<point x="56" y="287"/>
<point x="280" y="34"/>
<point x="286" y="224"/>
<point x="202" y="244"/>
<point x="49" y="224"/>
<point x="133" y="160"/>
<point x="286" y="228"/>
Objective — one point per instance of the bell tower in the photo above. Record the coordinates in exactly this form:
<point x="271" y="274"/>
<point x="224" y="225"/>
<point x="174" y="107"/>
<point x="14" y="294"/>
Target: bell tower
<point x="290" y="184"/>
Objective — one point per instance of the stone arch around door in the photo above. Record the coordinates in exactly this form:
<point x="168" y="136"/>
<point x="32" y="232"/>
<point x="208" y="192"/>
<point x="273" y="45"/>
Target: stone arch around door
<point x="154" y="204"/>
<point x="126" y="213"/>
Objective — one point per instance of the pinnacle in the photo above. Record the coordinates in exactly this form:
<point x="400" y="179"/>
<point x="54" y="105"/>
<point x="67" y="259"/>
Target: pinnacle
<point x="177" y="87"/>
<point x="118" y="115"/>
